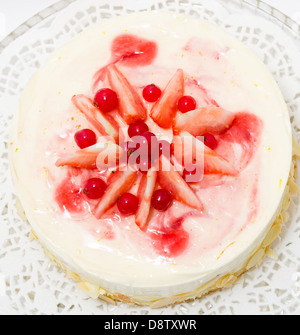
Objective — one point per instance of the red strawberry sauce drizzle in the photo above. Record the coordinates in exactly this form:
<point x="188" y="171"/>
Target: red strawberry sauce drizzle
<point x="69" y="193"/>
<point x="69" y="197"/>
<point x="169" y="238"/>
<point x="130" y="50"/>
<point x="133" y="51"/>
<point x="246" y="131"/>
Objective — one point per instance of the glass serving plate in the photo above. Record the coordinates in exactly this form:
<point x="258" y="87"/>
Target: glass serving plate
<point x="29" y="283"/>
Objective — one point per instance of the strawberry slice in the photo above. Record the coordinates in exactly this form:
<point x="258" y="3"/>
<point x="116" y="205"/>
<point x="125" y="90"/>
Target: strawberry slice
<point x="209" y="119"/>
<point x="131" y="106"/>
<point x="103" y="155"/>
<point x="146" y="189"/>
<point x="121" y="183"/>
<point x="171" y="180"/>
<point x="164" y="110"/>
<point x="189" y="150"/>
<point x="80" y="159"/>
<point x="104" y="124"/>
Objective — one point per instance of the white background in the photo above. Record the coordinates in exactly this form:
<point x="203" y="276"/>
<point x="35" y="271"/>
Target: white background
<point x="15" y="12"/>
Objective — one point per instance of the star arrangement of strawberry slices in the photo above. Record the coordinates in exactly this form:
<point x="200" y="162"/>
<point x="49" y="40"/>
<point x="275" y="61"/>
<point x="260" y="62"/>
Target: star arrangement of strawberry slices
<point x="165" y="171"/>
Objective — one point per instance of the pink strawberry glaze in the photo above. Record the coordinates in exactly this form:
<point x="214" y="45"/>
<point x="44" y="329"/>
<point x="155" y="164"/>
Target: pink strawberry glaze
<point x="168" y="236"/>
<point x="245" y="131"/>
<point x="69" y="193"/>
<point x="69" y="197"/>
<point x="130" y="50"/>
<point x="133" y="51"/>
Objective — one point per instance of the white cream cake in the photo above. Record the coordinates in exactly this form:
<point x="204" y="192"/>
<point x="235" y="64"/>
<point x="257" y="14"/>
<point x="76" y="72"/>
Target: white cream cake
<point x="153" y="237"/>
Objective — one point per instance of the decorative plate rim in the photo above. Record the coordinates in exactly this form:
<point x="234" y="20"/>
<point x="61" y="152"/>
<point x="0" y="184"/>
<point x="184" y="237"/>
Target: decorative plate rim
<point x="62" y="4"/>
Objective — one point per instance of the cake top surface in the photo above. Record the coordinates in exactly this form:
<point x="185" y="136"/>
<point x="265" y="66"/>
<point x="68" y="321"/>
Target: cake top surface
<point x="184" y="243"/>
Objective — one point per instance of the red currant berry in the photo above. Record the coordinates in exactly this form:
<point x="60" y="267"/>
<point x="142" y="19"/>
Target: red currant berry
<point x="161" y="200"/>
<point x="192" y="173"/>
<point x="210" y="141"/>
<point x="186" y="104"/>
<point x="137" y="128"/>
<point x="151" y="93"/>
<point x="106" y="100"/>
<point x="85" y="138"/>
<point x="128" y="204"/>
<point x="94" y="188"/>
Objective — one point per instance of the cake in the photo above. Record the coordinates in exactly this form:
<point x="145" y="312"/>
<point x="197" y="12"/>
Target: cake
<point x="210" y="195"/>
